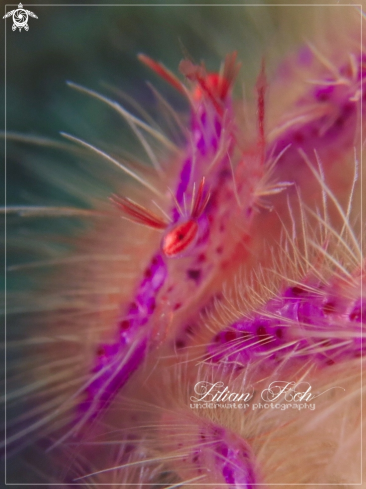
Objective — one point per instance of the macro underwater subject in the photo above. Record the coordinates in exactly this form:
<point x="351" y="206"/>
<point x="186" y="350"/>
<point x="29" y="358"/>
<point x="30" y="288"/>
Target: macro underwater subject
<point x="206" y="327"/>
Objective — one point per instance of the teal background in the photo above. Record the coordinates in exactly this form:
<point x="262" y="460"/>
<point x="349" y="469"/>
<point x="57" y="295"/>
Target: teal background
<point x="92" y="46"/>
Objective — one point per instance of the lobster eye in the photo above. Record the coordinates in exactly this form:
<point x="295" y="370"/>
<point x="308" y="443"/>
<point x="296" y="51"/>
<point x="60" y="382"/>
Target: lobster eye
<point x="178" y="239"/>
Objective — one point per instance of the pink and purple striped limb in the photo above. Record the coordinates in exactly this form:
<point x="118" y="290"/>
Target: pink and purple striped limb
<point x="213" y="454"/>
<point x="326" y="119"/>
<point x="303" y="324"/>
<point x="165" y="282"/>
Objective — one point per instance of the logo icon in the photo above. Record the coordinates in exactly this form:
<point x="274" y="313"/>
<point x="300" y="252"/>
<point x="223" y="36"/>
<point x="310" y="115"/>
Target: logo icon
<point x="20" y="18"/>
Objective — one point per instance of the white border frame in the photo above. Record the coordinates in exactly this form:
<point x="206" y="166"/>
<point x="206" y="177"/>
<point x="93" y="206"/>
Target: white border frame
<point x="5" y="186"/>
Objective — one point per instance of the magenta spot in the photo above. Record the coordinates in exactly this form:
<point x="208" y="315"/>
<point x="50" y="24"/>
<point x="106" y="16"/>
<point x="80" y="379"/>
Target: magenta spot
<point x="347" y="111"/>
<point x="355" y="315"/>
<point x="133" y="309"/>
<point x="225" y="174"/>
<point x="218" y="127"/>
<point x="228" y="474"/>
<point x="125" y="324"/>
<point x="261" y="331"/>
<point x="182" y="187"/>
<point x="223" y="449"/>
<point x="194" y="274"/>
<point x="298" y="137"/>
<point x="150" y="304"/>
<point x="148" y="273"/>
<point x="201" y="146"/>
<point x="128" y="449"/>
<point x="279" y="333"/>
<point x="217" y="338"/>
<point x="230" y="336"/>
<point x="323" y="93"/>
<point x="358" y="313"/>
<point x="189" y="329"/>
<point x="297" y="291"/>
<point x="180" y="344"/>
<point x="329" y="307"/>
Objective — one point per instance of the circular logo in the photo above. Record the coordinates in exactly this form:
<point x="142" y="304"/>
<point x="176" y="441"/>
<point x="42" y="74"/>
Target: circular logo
<point x="20" y="19"/>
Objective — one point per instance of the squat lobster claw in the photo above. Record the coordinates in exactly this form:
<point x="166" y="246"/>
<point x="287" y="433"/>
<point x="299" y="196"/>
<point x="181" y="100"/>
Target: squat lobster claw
<point x="178" y="236"/>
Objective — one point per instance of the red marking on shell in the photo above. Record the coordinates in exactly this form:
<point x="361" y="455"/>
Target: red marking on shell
<point x="179" y="238"/>
<point x="214" y="85"/>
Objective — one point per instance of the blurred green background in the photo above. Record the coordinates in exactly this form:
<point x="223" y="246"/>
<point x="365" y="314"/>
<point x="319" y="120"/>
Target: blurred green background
<point x="97" y="46"/>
